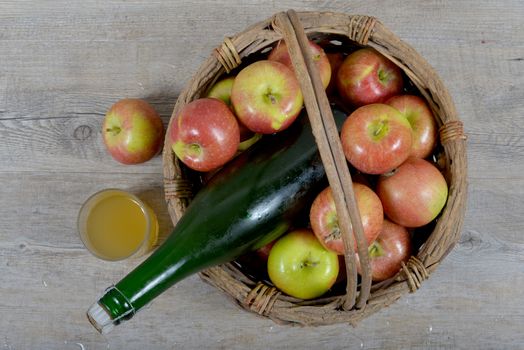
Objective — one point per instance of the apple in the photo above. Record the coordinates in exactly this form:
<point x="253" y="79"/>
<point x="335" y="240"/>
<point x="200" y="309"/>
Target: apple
<point x="414" y="194"/>
<point x="222" y="91"/>
<point x="205" y="135"/>
<point x="335" y="61"/>
<point x="388" y="251"/>
<point x="300" y="266"/>
<point x="367" y="77"/>
<point x="263" y="253"/>
<point x="376" y="138"/>
<point x="132" y="131"/>
<point x="421" y="120"/>
<point x="324" y="220"/>
<point x="266" y="97"/>
<point x="281" y="54"/>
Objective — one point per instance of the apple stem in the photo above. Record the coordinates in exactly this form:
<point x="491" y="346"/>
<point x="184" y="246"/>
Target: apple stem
<point x="115" y="130"/>
<point x="383" y="75"/>
<point x="310" y="263"/>
<point x="271" y="96"/>
<point x="375" y="250"/>
<point x="194" y="150"/>
<point x="379" y="129"/>
<point x="332" y="222"/>
<point x="333" y="235"/>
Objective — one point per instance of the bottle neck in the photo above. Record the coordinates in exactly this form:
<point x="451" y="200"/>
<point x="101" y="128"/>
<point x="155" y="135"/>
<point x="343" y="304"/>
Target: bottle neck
<point x="110" y="310"/>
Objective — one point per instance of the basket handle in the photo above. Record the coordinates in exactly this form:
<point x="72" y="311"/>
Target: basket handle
<point x="330" y="149"/>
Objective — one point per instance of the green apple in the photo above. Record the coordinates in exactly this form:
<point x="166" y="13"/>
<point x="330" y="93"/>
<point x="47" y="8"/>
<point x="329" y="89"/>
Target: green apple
<point x="222" y="90"/>
<point x="300" y="266"/>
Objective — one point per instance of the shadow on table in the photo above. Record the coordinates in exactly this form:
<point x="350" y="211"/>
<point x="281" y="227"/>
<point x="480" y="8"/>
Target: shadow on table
<point x="154" y="197"/>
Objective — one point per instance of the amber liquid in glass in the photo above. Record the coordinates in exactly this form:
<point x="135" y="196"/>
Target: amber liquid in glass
<point x="116" y="225"/>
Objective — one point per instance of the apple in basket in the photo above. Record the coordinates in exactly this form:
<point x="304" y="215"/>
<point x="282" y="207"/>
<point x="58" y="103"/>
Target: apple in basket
<point x="266" y="96"/>
<point x="367" y="77"/>
<point x="132" y="131"/>
<point x="222" y="91"/>
<point x="376" y="138"/>
<point x="300" y="266"/>
<point x="263" y="252"/>
<point x="335" y="61"/>
<point x="413" y="194"/>
<point x="204" y="135"/>
<point x="324" y="219"/>
<point x="421" y="120"/>
<point x="388" y="251"/>
<point x="281" y="54"/>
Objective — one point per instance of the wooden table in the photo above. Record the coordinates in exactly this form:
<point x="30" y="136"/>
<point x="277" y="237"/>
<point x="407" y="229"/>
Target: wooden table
<point x="63" y="63"/>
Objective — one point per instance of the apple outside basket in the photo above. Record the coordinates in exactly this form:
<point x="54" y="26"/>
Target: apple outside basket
<point x="343" y="32"/>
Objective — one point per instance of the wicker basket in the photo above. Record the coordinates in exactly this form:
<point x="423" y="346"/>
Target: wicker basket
<point x="361" y="297"/>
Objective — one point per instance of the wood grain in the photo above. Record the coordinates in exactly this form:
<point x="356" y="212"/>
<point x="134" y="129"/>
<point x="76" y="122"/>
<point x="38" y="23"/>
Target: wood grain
<point x="63" y="63"/>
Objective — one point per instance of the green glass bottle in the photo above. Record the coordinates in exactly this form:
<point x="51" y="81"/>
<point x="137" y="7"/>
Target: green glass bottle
<point x="254" y="199"/>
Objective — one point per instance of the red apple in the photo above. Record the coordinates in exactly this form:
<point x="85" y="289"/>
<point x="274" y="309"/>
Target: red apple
<point x="204" y="134"/>
<point x="300" y="266"/>
<point x="335" y="61"/>
<point x="422" y="123"/>
<point x="266" y="97"/>
<point x="280" y="54"/>
<point x="376" y="138"/>
<point x="390" y="249"/>
<point x="367" y="77"/>
<point x="263" y="252"/>
<point x="132" y="131"/>
<point x="324" y="220"/>
<point x="414" y="194"/>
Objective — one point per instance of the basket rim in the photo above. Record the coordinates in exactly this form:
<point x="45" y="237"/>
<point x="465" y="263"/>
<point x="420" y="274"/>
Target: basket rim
<point x="365" y="31"/>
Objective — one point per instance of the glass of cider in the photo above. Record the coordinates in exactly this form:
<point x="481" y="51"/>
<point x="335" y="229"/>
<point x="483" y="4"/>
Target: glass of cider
<point x="114" y="225"/>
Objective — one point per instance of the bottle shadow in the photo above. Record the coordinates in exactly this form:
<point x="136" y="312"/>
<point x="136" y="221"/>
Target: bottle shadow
<point x="154" y="198"/>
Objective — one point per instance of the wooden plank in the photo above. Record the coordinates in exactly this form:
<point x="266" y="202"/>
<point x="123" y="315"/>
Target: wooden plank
<point x="40" y="265"/>
<point x="63" y="63"/>
<point x="440" y="314"/>
<point x="50" y="131"/>
<point x="70" y="108"/>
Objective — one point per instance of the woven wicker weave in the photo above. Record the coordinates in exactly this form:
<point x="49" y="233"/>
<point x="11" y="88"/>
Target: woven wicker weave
<point x="361" y="298"/>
